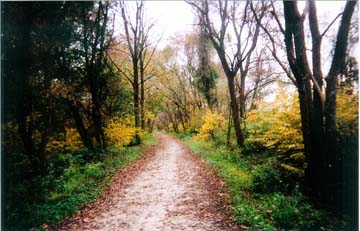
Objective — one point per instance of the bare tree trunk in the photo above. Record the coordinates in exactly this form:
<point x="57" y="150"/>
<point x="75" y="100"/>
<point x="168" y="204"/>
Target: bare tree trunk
<point x="23" y="75"/>
<point x="317" y="161"/>
<point x="294" y="36"/>
<point x="83" y="132"/>
<point x="142" y="95"/>
<point x="136" y="100"/>
<point x="242" y="96"/>
<point x="228" y="134"/>
<point x="235" y="112"/>
<point x="334" y="159"/>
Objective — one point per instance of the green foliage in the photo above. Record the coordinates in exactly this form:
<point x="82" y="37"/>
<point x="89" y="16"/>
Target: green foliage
<point x="206" y="77"/>
<point x="266" y="178"/>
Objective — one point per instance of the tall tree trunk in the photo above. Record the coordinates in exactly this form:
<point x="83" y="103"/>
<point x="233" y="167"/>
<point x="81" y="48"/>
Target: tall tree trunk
<point x="334" y="160"/>
<point x="295" y="42"/>
<point x="323" y="168"/>
<point x="318" y="163"/>
<point x="228" y="134"/>
<point x="136" y="95"/>
<point x="23" y="75"/>
<point x="136" y="101"/>
<point x="83" y="132"/>
<point x="235" y="112"/>
<point x="242" y="96"/>
<point x="142" y="95"/>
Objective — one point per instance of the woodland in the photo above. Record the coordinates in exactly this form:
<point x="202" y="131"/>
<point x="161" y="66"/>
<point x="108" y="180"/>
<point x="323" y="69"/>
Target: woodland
<point x="265" y="91"/>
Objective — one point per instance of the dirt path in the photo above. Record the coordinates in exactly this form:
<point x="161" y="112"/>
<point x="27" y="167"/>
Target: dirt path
<point x="169" y="189"/>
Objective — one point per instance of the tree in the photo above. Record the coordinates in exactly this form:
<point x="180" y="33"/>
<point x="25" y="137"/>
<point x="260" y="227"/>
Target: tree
<point x="232" y="62"/>
<point x="34" y="55"/>
<point x="317" y="106"/>
<point x="85" y="88"/>
<point x="137" y="38"/>
<point x="207" y="75"/>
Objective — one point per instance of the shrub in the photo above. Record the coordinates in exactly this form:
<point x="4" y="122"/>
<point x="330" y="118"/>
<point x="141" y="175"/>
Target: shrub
<point x="266" y="178"/>
<point x="72" y="139"/>
<point x="96" y="171"/>
<point x="276" y="127"/>
<point x="120" y="132"/>
<point x="248" y="215"/>
<point x="212" y="123"/>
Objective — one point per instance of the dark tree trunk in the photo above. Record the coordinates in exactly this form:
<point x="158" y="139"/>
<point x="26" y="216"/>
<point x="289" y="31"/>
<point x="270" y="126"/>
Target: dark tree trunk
<point x="295" y="42"/>
<point x="323" y="172"/>
<point x="136" y="101"/>
<point x="235" y="112"/>
<point x="23" y="75"/>
<point x="317" y="158"/>
<point x="228" y="134"/>
<point x="84" y="135"/>
<point x="242" y="96"/>
<point x="334" y="159"/>
<point x="136" y="95"/>
<point x="142" y="95"/>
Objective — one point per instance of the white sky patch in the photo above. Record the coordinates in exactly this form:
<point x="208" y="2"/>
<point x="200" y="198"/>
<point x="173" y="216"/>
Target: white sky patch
<point x="171" y="17"/>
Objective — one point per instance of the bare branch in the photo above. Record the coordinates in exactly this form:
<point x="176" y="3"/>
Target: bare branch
<point x="120" y="70"/>
<point x="273" y="13"/>
<point x="328" y="27"/>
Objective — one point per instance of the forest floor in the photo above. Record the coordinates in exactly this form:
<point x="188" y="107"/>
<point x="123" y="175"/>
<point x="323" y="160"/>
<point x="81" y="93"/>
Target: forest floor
<point x="168" y="188"/>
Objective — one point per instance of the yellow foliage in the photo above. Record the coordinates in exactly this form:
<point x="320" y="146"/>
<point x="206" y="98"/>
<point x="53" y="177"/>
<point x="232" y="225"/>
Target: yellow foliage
<point x="279" y="127"/>
<point x="347" y="112"/>
<point x="72" y="139"/>
<point x="120" y="132"/>
<point x="195" y="121"/>
<point x="150" y="115"/>
<point x="212" y="123"/>
<point x="54" y="145"/>
<point x="293" y="169"/>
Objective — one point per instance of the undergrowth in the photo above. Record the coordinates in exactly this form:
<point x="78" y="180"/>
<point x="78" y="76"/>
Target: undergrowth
<point x="262" y="198"/>
<point x="70" y="185"/>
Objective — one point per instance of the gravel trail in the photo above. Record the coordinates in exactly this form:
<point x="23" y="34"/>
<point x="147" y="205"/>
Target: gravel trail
<point x="173" y="190"/>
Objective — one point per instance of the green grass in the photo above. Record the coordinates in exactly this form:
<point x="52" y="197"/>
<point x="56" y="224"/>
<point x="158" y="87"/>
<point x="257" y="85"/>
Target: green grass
<point x="249" y="178"/>
<point x="79" y="184"/>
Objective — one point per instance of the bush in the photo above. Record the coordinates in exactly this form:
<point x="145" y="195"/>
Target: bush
<point x="248" y="215"/>
<point x="266" y="178"/>
<point x="120" y="132"/>
<point x="276" y="127"/>
<point x="212" y="123"/>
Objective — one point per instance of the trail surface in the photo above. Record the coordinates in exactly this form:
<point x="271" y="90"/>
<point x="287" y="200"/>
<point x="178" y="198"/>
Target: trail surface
<point x="169" y="188"/>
